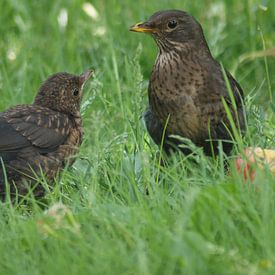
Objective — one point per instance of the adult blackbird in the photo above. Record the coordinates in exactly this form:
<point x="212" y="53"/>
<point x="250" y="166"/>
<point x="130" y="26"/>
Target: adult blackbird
<point x="187" y="86"/>
<point x="41" y="138"/>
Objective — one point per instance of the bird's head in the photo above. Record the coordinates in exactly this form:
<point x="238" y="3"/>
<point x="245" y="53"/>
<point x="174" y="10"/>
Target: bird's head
<point x="171" y="28"/>
<point x="62" y="92"/>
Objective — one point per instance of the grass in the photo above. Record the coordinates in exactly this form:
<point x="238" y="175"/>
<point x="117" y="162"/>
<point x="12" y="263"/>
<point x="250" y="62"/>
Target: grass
<point x="98" y="218"/>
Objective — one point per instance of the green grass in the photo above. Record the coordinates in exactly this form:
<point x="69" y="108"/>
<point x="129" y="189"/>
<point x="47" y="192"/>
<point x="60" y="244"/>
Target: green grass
<point x="196" y="219"/>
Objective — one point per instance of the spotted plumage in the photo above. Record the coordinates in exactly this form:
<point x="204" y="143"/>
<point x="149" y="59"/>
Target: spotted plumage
<point x="41" y="138"/>
<point x="187" y="86"/>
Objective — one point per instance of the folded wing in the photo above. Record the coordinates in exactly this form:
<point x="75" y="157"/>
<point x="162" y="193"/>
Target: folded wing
<point x="31" y="126"/>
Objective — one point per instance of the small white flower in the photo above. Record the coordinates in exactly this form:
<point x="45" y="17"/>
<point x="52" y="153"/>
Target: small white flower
<point x="90" y="10"/>
<point x="100" y="31"/>
<point x="62" y="18"/>
<point x="11" y="54"/>
<point x="262" y="7"/>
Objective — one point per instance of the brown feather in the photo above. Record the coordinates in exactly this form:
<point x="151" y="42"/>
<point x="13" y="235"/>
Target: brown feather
<point x="41" y="137"/>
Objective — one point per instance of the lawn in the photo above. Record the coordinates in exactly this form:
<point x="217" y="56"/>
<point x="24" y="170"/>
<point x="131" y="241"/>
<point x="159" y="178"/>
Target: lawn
<point x="99" y="217"/>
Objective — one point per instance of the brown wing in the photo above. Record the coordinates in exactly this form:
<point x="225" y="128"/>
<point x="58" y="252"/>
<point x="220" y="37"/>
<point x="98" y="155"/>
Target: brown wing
<point x="221" y="129"/>
<point x="236" y="90"/>
<point x="28" y="125"/>
<point x="215" y="88"/>
<point x="213" y="110"/>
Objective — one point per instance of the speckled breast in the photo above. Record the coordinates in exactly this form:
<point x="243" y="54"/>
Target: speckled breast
<point x="67" y="151"/>
<point x="172" y="95"/>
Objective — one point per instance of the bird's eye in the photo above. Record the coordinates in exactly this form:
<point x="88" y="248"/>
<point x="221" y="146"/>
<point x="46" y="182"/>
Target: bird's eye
<point x="76" y="92"/>
<point x="172" y="24"/>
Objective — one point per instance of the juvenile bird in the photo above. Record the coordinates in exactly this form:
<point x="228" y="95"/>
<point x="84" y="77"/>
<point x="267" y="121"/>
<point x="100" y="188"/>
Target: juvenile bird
<point x="41" y="138"/>
<point x="187" y="86"/>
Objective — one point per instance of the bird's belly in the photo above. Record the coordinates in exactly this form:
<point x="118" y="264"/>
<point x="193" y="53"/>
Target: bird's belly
<point x="179" y="113"/>
<point x="67" y="151"/>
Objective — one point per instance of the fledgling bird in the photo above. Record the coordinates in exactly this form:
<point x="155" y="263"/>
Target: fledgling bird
<point x="187" y="86"/>
<point x="41" y="137"/>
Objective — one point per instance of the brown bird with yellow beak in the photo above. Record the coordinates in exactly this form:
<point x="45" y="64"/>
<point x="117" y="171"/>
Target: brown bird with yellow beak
<point x="187" y="89"/>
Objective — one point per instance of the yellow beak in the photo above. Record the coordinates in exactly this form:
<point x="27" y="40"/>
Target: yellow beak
<point x="141" y="27"/>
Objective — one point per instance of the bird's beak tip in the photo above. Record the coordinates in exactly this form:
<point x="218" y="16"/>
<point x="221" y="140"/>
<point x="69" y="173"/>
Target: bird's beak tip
<point x="86" y="75"/>
<point x="141" y="27"/>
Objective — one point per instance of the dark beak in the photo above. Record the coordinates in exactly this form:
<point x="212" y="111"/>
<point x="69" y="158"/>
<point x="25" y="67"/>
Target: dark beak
<point x="85" y="76"/>
<point x="144" y="27"/>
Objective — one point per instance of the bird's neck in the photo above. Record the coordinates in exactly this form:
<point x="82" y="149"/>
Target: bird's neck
<point x="55" y="104"/>
<point x="46" y="102"/>
<point x="198" y="49"/>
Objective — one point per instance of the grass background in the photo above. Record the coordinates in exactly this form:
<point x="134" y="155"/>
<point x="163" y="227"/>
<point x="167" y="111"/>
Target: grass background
<point x="98" y="218"/>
